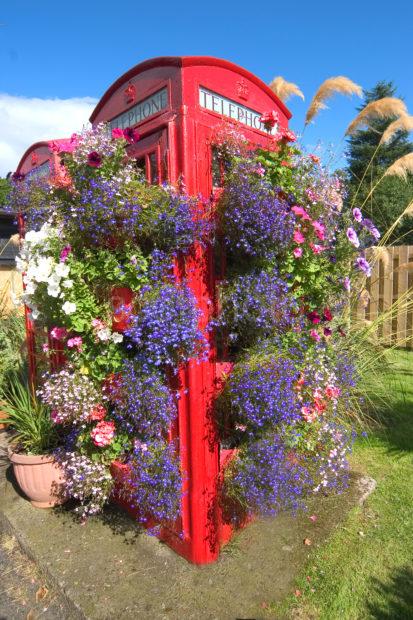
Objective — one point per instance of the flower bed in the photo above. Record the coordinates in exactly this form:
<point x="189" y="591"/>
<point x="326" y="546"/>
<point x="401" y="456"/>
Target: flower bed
<point x="97" y="262"/>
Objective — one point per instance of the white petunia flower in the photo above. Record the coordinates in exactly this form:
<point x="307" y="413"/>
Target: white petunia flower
<point x="53" y="291"/>
<point x="104" y="334"/>
<point x="21" y="265"/>
<point x="117" y="337"/>
<point x="43" y="269"/>
<point x="69" y="307"/>
<point x="67" y="283"/>
<point x="62" y="270"/>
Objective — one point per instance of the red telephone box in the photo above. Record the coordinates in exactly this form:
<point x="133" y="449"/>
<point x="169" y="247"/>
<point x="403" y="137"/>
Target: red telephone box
<point x="177" y="103"/>
<point x="39" y="162"/>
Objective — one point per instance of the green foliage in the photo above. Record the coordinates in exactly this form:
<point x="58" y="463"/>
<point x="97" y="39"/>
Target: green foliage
<point x="12" y="336"/>
<point x="393" y="194"/>
<point x="30" y="420"/>
<point x="4" y="190"/>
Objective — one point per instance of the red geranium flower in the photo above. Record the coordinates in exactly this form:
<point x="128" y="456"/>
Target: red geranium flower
<point x="269" y="119"/>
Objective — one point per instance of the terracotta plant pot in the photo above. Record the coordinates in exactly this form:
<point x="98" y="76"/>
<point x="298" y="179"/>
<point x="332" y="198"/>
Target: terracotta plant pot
<point x="40" y="478"/>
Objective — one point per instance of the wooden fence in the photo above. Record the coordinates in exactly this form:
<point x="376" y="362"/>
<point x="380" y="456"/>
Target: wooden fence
<point x="391" y="280"/>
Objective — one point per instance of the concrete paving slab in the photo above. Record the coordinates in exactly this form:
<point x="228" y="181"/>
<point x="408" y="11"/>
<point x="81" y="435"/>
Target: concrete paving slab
<point x="109" y="569"/>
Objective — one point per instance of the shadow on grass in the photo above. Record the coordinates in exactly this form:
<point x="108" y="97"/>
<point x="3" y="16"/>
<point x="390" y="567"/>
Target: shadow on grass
<point x="398" y="596"/>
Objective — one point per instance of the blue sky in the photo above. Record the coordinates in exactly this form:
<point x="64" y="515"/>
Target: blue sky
<point x="74" y="50"/>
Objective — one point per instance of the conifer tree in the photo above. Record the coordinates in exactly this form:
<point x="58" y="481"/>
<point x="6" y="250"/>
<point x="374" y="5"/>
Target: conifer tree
<point x="392" y="195"/>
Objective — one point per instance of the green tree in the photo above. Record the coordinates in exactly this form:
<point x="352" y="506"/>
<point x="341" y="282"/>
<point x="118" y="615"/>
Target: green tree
<point x="393" y="194"/>
<point x="4" y="190"/>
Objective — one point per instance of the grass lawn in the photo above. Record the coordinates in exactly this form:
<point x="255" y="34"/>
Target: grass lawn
<point x="365" y="570"/>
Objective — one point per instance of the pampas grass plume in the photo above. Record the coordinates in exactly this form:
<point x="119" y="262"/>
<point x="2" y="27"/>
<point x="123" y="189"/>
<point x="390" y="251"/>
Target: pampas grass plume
<point x="340" y="84"/>
<point x="401" y="167"/>
<point x="387" y="107"/>
<point x="403" y="123"/>
<point x="284" y="90"/>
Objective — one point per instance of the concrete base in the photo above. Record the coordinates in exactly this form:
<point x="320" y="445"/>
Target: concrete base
<point x="109" y="569"/>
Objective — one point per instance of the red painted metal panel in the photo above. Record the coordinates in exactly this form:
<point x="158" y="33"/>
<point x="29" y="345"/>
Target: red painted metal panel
<point x="183" y="133"/>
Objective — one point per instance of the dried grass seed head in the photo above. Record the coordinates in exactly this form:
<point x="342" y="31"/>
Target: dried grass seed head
<point x="334" y="85"/>
<point x="284" y="90"/>
<point x="387" y="107"/>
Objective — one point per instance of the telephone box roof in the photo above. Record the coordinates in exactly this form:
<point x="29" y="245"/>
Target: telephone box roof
<point x="182" y="62"/>
<point x="42" y="146"/>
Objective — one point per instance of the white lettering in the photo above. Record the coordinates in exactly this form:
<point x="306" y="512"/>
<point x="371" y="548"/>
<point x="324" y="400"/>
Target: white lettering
<point x="142" y="110"/>
<point x="217" y="103"/>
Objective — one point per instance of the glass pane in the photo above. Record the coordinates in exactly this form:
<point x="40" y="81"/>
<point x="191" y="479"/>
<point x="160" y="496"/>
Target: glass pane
<point x="153" y="161"/>
<point x="216" y="168"/>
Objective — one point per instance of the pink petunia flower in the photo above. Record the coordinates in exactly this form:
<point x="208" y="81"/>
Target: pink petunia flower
<point x="314" y="317"/>
<point x="298" y="237"/>
<point x="131" y="135"/>
<point x="117" y="133"/>
<point x="319" y="229"/>
<point x="315" y="335"/>
<point x="103" y="433"/>
<point x="65" y="253"/>
<point x="300" y="212"/>
<point x="297" y="252"/>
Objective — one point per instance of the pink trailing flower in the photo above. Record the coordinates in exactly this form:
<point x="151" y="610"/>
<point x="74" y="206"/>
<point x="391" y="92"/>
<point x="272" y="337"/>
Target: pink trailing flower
<point x="332" y="391"/>
<point x="297" y="252"/>
<point x="316" y="248"/>
<point x="65" y="253"/>
<point x="315" y="335"/>
<point x="298" y="237"/>
<point x="103" y="433"/>
<point x="59" y="333"/>
<point x="308" y="414"/>
<point x="56" y="417"/>
<point x="45" y="348"/>
<point x="260" y="170"/>
<point x="300" y="212"/>
<point x="97" y="414"/>
<point x="94" y="160"/>
<point x="75" y="342"/>
<point x="269" y="119"/>
<point x="319" y="405"/>
<point x="319" y="229"/>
